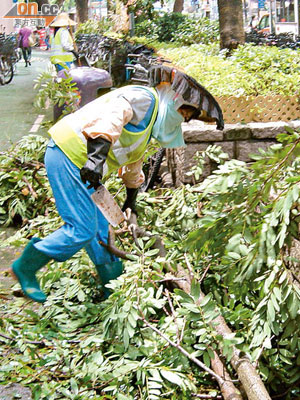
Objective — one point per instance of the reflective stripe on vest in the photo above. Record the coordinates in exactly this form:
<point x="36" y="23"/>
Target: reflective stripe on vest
<point x="59" y="54"/>
<point x="129" y="148"/>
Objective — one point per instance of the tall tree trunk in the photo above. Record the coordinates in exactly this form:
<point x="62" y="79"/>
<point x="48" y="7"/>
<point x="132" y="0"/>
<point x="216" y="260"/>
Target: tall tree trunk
<point x="82" y="10"/>
<point x="231" y="24"/>
<point x="109" y="6"/>
<point x="41" y="2"/>
<point x="60" y="3"/>
<point x="178" y="6"/>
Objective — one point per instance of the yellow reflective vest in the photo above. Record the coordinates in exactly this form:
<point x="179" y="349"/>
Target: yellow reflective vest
<point x="59" y="55"/>
<point x="129" y="148"/>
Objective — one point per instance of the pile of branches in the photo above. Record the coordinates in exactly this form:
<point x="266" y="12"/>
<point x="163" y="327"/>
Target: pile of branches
<point x="207" y="307"/>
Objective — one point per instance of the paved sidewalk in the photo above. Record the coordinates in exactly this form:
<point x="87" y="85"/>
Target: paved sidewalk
<point x="16" y="101"/>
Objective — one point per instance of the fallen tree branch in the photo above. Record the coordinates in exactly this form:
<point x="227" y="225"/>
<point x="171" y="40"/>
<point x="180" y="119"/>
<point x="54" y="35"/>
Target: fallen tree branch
<point x="181" y="349"/>
<point x="206" y="396"/>
<point x="229" y="391"/>
<point x="248" y="376"/>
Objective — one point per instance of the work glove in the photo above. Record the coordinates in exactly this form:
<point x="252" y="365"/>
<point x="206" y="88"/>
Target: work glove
<point x="75" y="54"/>
<point x="130" y="200"/>
<point x="92" y="171"/>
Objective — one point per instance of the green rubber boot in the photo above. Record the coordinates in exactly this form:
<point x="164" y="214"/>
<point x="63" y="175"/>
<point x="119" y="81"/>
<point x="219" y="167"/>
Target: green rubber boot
<point x="25" y="268"/>
<point x="108" y="272"/>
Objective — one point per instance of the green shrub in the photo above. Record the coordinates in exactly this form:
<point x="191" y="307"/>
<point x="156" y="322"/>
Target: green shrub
<point x="250" y="71"/>
<point x="192" y="31"/>
<point x="24" y="187"/>
<point x="91" y="26"/>
<point x="178" y="28"/>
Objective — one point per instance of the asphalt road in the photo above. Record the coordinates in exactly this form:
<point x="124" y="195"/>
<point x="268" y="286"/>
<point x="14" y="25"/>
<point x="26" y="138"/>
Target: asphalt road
<point x="18" y="114"/>
<point x="19" y="118"/>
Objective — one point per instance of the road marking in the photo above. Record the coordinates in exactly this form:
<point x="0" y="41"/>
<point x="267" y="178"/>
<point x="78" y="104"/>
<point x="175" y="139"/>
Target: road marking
<point x="37" y="123"/>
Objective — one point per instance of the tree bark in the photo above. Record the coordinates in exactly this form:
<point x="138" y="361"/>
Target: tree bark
<point x="231" y="24"/>
<point x="228" y="389"/>
<point x="178" y="6"/>
<point x="248" y="376"/>
<point x="60" y="3"/>
<point x="82" y="10"/>
<point x="41" y="2"/>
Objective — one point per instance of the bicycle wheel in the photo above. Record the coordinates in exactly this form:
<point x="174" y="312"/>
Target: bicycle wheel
<point x="152" y="169"/>
<point x="7" y="71"/>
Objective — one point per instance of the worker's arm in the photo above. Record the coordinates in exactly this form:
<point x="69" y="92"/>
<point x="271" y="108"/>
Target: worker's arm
<point x="65" y="40"/>
<point x="100" y="134"/>
<point x="132" y="176"/>
<point x="113" y="116"/>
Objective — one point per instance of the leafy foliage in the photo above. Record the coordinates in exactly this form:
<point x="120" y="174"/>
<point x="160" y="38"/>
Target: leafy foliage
<point x="179" y="28"/>
<point x="53" y="90"/>
<point x="92" y="26"/>
<point x="251" y="70"/>
<point x="234" y="231"/>
<point x="24" y="188"/>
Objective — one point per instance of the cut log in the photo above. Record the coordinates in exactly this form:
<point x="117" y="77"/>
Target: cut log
<point x="247" y="374"/>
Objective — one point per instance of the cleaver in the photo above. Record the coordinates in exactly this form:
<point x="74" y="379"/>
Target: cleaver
<point x="108" y="206"/>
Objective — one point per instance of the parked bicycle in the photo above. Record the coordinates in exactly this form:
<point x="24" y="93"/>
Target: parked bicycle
<point x="8" y="57"/>
<point x="282" y="40"/>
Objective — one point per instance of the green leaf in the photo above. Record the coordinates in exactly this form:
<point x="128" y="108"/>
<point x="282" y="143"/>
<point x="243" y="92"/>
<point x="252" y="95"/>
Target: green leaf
<point x="195" y="289"/>
<point x="206" y="358"/>
<point x="205" y="300"/>
<point x="171" y="377"/>
<point x="270" y="311"/>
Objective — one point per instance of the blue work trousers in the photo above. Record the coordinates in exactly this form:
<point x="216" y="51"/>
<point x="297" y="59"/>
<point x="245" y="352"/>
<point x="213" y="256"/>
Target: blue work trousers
<point x="84" y="224"/>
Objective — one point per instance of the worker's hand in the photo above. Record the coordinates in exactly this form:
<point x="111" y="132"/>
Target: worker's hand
<point x="89" y="175"/>
<point x="131" y="195"/>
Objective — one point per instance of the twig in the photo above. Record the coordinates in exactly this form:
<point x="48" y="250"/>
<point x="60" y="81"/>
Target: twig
<point x="171" y="279"/>
<point x="34" y="195"/>
<point x="39" y="343"/>
<point x="204" y="274"/>
<point x="177" y="346"/>
<point x="182" y="350"/>
<point x="189" y="267"/>
<point x="115" y="250"/>
<point x="260" y="352"/>
<point x="274" y="172"/>
<point x="6" y="337"/>
<point x="173" y="315"/>
<point x="132" y="229"/>
<point x="206" y="396"/>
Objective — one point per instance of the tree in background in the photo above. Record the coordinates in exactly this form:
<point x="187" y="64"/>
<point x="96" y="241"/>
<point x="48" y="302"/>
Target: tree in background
<point x="231" y="24"/>
<point x="82" y="10"/>
<point x="81" y="7"/>
<point x="41" y="2"/>
<point x="178" y="6"/>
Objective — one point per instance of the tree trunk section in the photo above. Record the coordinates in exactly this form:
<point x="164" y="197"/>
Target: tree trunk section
<point x="82" y="10"/>
<point x="178" y="6"/>
<point x="41" y="3"/>
<point x="248" y="376"/>
<point x="60" y="3"/>
<point x="231" y="24"/>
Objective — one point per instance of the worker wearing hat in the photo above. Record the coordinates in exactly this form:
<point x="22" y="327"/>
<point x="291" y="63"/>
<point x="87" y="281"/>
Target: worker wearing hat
<point x="62" y="45"/>
<point x="111" y="133"/>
